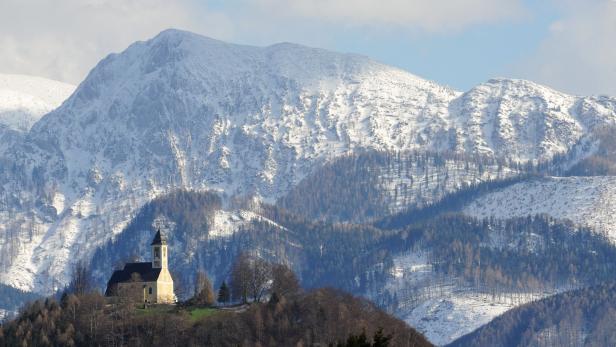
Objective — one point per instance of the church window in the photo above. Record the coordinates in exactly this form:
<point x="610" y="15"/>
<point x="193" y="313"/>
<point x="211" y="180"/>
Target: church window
<point x="150" y="290"/>
<point x="156" y="252"/>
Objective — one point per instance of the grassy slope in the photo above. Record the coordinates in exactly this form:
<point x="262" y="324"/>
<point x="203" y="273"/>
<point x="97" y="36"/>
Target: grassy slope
<point x="195" y="313"/>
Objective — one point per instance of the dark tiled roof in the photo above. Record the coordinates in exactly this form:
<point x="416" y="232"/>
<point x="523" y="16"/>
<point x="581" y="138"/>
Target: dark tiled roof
<point x="159" y="239"/>
<point x="144" y="270"/>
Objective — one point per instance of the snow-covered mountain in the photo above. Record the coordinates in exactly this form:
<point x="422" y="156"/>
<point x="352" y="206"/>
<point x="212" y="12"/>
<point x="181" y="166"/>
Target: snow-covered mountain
<point x="183" y="110"/>
<point x="586" y="201"/>
<point x="25" y="99"/>
<point x="522" y="120"/>
<point x="197" y="112"/>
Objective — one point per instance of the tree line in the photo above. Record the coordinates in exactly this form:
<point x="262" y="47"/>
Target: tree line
<point x="533" y="253"/>
<point x="357" y="187"/>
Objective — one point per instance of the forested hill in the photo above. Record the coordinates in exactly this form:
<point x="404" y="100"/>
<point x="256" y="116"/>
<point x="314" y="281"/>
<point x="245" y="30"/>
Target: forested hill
<point x="318" y="318"/>
<point x="578" y="318"/>
<point x="373" y="184"/>
<point x="202" y="235"/>
<point x="394" y="187"/>
<point x="409" y="270"/>
<point x="11" y="299"/>
<point x="360" y="258"/>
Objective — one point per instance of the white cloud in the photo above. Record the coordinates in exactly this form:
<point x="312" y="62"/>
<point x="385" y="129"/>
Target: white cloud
<point x="64" y="39"/>
<point x="426" y="15"/>
<point x="579" y="53"/>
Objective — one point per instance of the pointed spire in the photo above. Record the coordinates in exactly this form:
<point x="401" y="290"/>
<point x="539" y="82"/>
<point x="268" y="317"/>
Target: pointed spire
<point x="159" y="239"/>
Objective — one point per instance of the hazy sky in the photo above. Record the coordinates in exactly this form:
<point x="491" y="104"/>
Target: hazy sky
<point x="567" y="44"/>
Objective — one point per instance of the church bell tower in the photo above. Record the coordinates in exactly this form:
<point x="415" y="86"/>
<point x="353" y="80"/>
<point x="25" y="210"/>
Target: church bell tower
<point x="159" y="251"/>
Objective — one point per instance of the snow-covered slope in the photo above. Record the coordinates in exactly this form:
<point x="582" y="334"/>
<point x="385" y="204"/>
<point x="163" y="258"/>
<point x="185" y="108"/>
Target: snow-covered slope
<point x="587" y="201"/>
<point x="439" y="307"/>
<point x="25" y="99"/>
<point x="183" y="110"/>
<point x="518" y="119"/>
<point x="458" y="312"/>
<point x="227" y="223"/>
<point x="198" y="112"/>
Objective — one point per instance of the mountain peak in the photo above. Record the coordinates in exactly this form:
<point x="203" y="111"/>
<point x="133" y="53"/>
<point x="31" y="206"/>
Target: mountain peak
<point x="24" y="99"/>
<point x="520" y="84"/>
<point x="183" y="87"/>
<point x="177" y="36"/>
<point x="174" y="32"/>
<point x="518" y="88"/>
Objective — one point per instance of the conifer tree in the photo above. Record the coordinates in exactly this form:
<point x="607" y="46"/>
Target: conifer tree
<point x="224" y="295"/>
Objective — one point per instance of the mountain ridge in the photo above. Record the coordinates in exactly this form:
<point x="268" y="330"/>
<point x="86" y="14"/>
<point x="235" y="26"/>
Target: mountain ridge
<point x="185" y="111"/>
<point x="182" y="112"/>
<point x="25" y="99"/>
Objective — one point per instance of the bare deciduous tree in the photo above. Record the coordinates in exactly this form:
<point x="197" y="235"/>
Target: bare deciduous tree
<point x="204" y="293"/>
<point x="132" y="291"/>
<point x="284" y="281"/>
<point x="240" y="278"/>
<point x="80" y="281"/>
<point x="261" y="275"/>
<point x="250" y="277"/>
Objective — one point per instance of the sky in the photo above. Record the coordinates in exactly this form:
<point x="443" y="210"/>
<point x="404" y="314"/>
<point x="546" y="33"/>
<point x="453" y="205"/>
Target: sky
<point x="569" y="45"/>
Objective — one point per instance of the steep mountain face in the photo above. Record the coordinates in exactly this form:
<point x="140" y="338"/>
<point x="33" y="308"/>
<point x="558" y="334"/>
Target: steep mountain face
<point x="182" y="110"/>
<point x="25" y="99"/>
<point x="525" y="121"/>
<point x="601" y="162"/>
<point x="195" y="112"/>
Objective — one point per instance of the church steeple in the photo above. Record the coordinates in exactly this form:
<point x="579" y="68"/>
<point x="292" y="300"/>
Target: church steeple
<point x="159" y="251"/>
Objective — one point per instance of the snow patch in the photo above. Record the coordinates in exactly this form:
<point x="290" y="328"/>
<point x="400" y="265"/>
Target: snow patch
<point x="586" y="201"/>
<point x="446" y="318"/>
<point x="437" y="306"/>
<point x="227" y="223"/>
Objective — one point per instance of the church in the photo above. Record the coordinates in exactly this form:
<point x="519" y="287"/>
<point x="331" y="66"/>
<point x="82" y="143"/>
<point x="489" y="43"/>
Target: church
<point x="148" y="282"/>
